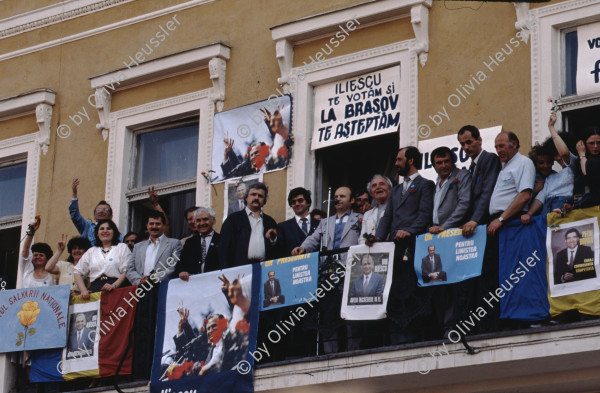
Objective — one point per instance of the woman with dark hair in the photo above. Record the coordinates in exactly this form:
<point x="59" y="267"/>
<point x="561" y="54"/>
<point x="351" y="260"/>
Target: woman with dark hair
<point x="76" y="247"/>
<point x="33" y="261"/>
<point x="587" y="177"/>
<point x="105" y="264"/>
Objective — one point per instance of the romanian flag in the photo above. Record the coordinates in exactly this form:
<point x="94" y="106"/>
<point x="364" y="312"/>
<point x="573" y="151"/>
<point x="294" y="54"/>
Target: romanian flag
<point x="99" y="333"/>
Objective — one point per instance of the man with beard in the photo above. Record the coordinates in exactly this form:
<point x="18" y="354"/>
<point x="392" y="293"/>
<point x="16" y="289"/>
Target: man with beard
<point x="249" y="236"/>
<point x="408" y="213"/>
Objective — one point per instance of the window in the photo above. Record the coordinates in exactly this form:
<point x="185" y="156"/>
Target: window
<point x="166" y="158"/>
<point x="12" y="191"/>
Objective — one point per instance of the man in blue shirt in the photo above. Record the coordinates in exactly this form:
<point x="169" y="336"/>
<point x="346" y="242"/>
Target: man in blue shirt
<point x="86" y="227"/>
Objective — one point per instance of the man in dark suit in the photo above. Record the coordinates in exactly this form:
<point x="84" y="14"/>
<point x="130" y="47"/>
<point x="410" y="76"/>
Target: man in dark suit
<point x="238" y="205"/>
<point x="431" y="266"/>
<point x="81" y="341"/>
<point x="201" y="252"/>
<point x="291" y="233"/>
<point x="272" y="291"/>
<point x="574" y="263"/>
<point x="408" y="213"/>
<point x="374" y="282"/>
<point x="249" y="236"/>
<point x="484" y="169"/>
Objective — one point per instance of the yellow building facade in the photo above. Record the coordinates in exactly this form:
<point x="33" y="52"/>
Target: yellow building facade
<point x="83" y="82"/>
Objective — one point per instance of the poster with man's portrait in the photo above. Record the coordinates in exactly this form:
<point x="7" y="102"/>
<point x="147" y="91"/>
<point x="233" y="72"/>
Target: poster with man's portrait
<point x="235" y="190"/>
<point x="251" y="139"/>
<point x="81" y="352"/>
<point x="367" y="281"/>
<point x="573" y="257"/>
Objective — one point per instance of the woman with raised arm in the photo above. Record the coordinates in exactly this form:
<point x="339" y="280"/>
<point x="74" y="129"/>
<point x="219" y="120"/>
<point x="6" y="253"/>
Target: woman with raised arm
<point x="558" y="186"/>
<point x="33" y="261"/>
<point x="76" y="247"/>
<point x="105" y="264"/>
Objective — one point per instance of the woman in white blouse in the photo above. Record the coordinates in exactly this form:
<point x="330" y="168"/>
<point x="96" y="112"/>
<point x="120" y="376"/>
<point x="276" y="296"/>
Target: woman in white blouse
<point x="104" y="265"/>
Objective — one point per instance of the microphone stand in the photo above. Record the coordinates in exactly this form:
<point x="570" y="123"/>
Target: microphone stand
<point x="324" y="246"/>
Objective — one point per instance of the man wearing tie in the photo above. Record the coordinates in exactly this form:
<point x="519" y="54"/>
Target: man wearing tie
<point x="572" y="259"/>
<point x="484" y="170"/>
<point x="238" y="205"/>
<point x="81" y="342"/>
<point x="408" y="213"/>
<point x="369" y="284"/>
<point x="291" y="233"/>
<point x="200" y="253"/>
<point x="431" y="267"/>
<point x="272" y="291"/>
<point x="380" y="188"/>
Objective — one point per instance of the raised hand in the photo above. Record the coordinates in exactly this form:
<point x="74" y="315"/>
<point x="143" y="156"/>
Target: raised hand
<point x="74" y="186"/>
<point x="153" y="196"/>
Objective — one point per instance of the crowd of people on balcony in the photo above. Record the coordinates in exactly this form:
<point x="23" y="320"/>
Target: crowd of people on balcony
<point x="496" y="188"/>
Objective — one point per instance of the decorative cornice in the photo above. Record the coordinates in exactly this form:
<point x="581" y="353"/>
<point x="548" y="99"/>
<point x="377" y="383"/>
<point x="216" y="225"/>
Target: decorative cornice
<point x="142" y="193"/>
<point x="101" y="29"/>
<point x="11" y="222"/>
<point x="419" y="17"/>
<point x="43" y="115"/>
<point x="26" y="103"/>
<point x="368" y="14"/>
<point x="217" y="67"/>
<point x="55" y="13"/>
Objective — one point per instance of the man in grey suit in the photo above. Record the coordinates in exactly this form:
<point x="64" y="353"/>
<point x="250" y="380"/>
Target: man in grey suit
<point x="452" y="191"/>
<point x="408" y="213"/>
<point x="344" y="230"/>
<point x="150" y="256"/>
<point x="239" y="204"/>
<point x="484" y="170"/>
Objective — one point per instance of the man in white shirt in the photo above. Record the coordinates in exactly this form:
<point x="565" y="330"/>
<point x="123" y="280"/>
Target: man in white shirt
<point x="152" y="255"/>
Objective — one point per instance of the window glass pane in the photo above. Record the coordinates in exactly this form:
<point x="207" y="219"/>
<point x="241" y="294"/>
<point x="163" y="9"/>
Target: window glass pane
<point x="12" y="189"/>
<point x="570" y="63"/>
<point x="173" y="204"/>
<point x="166" y="156"/>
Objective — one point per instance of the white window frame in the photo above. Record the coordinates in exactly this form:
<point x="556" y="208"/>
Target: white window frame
<point x="547" y="59"/>
<point x="123" y="124"/>
<point x="302" y="169"/>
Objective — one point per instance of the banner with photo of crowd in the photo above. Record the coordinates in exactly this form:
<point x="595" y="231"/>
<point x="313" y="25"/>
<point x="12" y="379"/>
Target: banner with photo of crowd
<point x="449" y="257"/>
<point x="368" y="279"/>
<point x="205" y="330"/>
<point x="251" y="139"/>
<point x="34" y="318"/>
<point x="288" y="281"/>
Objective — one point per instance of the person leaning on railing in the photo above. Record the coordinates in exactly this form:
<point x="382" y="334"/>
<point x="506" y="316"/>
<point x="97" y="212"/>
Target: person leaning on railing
<point x="104" y="265"/>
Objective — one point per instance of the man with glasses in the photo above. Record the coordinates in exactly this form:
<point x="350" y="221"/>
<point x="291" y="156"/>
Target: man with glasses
<point x="86" y="227"/>
<point x="291" y="233"/>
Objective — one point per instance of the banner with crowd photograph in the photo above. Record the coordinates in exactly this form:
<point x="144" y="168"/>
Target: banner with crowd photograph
<point x="449" y="257"/>
<point x="368" y="279"/>
<point x="98" y="338"/>
<point x="288" y="281"/>
<point x="355" y="108"/>
<point x="573" y="257"/>
<point x="588" y="59"/>
<point x="522" y="270"/>
<point x="205" y="332"/>
<point x="461" y="159"/>
<point x="251" y="139"/>
<point x="585" y="302"/>
<point x="34" y="318"/>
